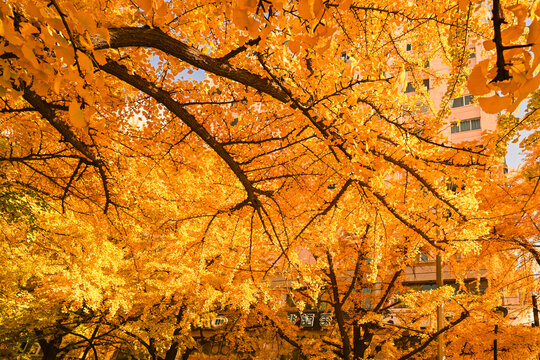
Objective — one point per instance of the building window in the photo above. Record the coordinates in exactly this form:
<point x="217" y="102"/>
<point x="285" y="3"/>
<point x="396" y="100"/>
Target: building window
<point x="344" y="56"/>
<point x="476" y="287"/>
<point x="427" y="287"/>
<point x="462" y="101"/>
<point x="410" y="87"/>
<point x="465" y="125"/>
<point x="431" y="285"/>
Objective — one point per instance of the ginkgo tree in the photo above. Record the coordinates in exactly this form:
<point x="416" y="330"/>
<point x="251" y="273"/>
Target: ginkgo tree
<point x="298" y="168"/>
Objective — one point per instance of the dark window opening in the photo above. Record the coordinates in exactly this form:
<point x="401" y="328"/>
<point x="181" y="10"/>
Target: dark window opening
<point x="410" y="87"/>
<point x="462" y="101"/>
<point x="466" y="125"/>
<point x="457" y="102"/>
<point x="344" y="56"/>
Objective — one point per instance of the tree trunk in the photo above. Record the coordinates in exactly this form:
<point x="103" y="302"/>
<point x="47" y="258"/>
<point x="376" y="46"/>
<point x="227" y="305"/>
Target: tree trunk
<point x="186" y="354"/>
<point x="357" y="341"/>
<point x="362" y="336"/>
<point x="173" y="349"/>
<point x="338" y="310"/>
<point x="172" y="352"/>
<point x="50" y="348"/>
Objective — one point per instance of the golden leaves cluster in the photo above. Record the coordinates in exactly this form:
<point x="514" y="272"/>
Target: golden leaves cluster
<point x="521" y="52"/>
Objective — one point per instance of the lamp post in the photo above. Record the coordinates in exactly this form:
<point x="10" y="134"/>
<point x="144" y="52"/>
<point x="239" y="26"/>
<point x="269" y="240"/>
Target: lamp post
<point x="440" y="337"/>
<point x="500" y="311"/>
<point x="535" y="311"/>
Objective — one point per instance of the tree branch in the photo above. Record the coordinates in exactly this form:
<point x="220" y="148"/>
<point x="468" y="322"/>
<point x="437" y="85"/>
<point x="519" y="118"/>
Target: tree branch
<point x="157" y="39"/>
<point x="240" y="49"/>
<point x="48" y="113"/>
<point x="434" y="336"/>
<point x="165" y="98"/>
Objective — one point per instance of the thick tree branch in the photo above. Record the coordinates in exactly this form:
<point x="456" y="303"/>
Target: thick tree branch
<point x="165" y="98"/>
<point x="388" y="291"/>
<point x="48" y="112"/>
<point x="502" y="71"/>
<point x="338" y="307"/>
<point x="240" y="49"/>
<point x="398" y="216"/>
<point x="157" y="39"/>
<point x="434" y="336"/>
<point x="329" y="206"/>
<point x="359" y="260"/>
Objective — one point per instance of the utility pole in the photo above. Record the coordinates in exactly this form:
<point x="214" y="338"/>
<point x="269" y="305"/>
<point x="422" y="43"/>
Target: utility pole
<point x="500" y="312"/>
<point x="440" y="337"/>
<point x="535" y="311"/>
<point x="495" y="342"/>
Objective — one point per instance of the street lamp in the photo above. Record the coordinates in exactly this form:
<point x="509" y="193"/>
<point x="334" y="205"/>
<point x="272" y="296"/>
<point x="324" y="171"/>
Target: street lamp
<point x="440" y="283"/>
<point x="501" y="312"/>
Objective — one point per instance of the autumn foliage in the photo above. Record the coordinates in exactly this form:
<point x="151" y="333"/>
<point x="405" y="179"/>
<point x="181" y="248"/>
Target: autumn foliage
<point x="166" y="164"/>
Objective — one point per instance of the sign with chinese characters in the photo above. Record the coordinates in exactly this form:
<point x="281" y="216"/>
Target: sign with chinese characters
<point x="293" y="317"/>
<point x="307" y="319"/>
<point x="325" y="319"/>
<point x="219" y="321"/>
<point x="312" y="320"/>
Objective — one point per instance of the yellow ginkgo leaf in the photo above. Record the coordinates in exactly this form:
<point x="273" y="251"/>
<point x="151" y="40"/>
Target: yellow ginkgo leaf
<point x="511" y="34"/>
<point x="240" y="18"/>
<point x="76" y="115"/>
<point x="85" y="62"/>
<point x="246" y="4"/>
<point x="529" y="86"/>
<point x="253" y="27"/>
<point x="494" y="104"/>
<point x="534" y="32"/>
<point x="508" y="86"/>
<point x="463" y="4"/>
<point x="477" y="83"/>
<point x="29" y="55"/>
<point x="310" y="40"/>
<point x="56" y="85"/>
<point x="294" y="46"/>
<point x="146" y="5"/>
<point x="305" y="9"/>
<point x="520" y="11"/>
<point x="489" y="45"/>
<point x="278" y="4"/>
<point x="318" y="8"/>
<point x="345" y="4"/>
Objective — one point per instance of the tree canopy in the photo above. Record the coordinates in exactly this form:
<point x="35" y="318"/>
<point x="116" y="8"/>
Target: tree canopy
<point x="141" y="201"/>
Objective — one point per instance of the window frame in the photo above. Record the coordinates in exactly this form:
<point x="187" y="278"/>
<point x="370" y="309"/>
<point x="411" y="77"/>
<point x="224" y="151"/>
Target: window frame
<point x="410" y="86"/>
<point x="466" y="125"/>
<point x="462" y="101"/>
